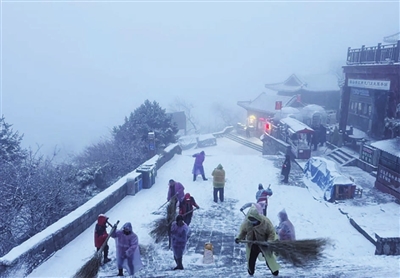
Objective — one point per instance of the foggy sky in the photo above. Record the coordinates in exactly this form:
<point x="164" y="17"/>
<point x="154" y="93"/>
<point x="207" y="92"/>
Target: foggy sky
<point x="72" y="71"/>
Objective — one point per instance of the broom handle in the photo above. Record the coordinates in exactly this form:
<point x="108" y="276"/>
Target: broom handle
<point x="108" y="237"/>
<point x="263" y="243"/>
<point x="163" y="205"/>
<point x="182" y="215"/>
<point x="168" y="201"/>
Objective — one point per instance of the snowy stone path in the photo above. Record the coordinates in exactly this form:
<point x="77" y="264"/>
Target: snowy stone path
<point x="219" y="225"/>
<point x="351" y="255"/>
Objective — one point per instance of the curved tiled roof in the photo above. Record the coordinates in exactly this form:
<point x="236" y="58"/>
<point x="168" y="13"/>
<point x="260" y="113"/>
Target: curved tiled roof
<point x="312" y="83"/>
<point x="265" y="102"/>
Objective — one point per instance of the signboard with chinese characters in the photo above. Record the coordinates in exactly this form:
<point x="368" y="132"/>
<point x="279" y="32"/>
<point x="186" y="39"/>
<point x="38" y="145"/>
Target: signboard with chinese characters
<point x="388" y="177"/>
<point x="368" y="154"/>
<point x="369" y="84"/>
<point x="359" y="92"/>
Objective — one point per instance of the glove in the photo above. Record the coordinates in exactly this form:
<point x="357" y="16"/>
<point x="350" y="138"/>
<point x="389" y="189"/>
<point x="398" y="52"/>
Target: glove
<point x="237" y="240"/>
<point x="241" y="209"/>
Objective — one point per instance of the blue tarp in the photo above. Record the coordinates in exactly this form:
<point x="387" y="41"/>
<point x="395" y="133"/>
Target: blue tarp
<point x="323" y="173"/>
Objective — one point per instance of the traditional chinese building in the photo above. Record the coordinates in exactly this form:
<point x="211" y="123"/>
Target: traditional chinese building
<point x="264" y="107"/>
<point x="370" y="98"/>
<point x="320" y="89"/>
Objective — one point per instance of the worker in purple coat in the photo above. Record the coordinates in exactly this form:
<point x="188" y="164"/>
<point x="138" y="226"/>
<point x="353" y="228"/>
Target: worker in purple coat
<point x="179" y="233"/>
<point x="198" y="168"/>
<point x="128" y="254"/>
<point x="285" y="230"/>
<point x="175" y="188"/>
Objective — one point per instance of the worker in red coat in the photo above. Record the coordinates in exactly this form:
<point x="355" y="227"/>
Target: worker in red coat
<point x="100" y="235"/>
<point x="186" y="208"/>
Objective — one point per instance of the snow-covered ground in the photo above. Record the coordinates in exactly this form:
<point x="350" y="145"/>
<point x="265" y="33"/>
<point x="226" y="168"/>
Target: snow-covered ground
<point x="351" y="255"/>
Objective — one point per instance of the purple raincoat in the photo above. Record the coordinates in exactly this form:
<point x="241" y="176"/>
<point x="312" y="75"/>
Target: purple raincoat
<point x="285" y="230"/>
<point x="128" y="254"/>
<point x="198" y="168"/>
<point x="178" y="238"/>
<point x="177" y="189"/>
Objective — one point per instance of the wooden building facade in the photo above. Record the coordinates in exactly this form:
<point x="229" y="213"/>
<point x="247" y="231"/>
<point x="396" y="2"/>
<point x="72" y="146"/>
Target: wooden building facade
<point x="370" y="97"/>
<point x="388" y="174"/>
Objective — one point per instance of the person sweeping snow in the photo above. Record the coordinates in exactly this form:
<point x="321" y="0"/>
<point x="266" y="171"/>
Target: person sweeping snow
<point x="198" y="168"/>
<point x="262" y="197"/>
<point x="100" y="236"/>
<point x="257" y="227"/>
<point x="128" y="254"/>
<point x="179" y="232"/>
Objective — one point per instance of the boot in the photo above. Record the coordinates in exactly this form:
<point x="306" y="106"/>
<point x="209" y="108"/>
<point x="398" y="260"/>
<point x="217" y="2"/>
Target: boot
<point x="120" y="272"/>
<point x="180" y="266"/>
<point x="176" y="261"/>
<point x="194" y="177"/>
<point x="106" y="259"/>
<point x="204" y="178"/>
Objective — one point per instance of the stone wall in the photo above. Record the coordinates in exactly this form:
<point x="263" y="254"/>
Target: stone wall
<point x="272" y="146"/>
<point x="23" y="259"/>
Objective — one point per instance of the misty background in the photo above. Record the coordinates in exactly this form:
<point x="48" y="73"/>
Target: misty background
<point x="71" y="71"/>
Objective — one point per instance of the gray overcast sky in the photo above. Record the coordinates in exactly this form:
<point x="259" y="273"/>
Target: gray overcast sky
<point x="72" y="71"/>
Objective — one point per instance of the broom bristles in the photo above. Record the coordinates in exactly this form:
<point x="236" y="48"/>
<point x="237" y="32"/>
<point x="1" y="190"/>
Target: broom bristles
<point x="163" y="225"/>
<point x="297" y="252"/>
<point x="90" y="268"/>
<point x="160" y="229"/>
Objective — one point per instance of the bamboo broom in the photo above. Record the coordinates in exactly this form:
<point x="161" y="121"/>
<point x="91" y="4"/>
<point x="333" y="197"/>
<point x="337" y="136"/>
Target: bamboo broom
<point x="296" y="252"/>
<point x="91" y="268"/>
<point x="162" y="226"/>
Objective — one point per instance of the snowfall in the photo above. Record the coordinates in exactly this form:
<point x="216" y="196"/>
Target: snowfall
<point x="349" y="255"/>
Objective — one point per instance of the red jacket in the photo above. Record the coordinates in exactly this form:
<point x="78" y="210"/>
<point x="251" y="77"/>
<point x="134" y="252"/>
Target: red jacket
<point x="100" y="232"/>
<point x="187" y="204"/>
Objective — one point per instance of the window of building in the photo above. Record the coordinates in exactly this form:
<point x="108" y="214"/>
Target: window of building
<point x="369" y="110"/>
<point x="360" y="108"/>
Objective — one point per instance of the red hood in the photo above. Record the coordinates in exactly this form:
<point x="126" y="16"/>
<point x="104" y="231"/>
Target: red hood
<point x="102" y="219"/>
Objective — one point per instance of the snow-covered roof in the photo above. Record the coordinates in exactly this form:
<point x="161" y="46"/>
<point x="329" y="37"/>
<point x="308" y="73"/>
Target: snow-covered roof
<point x="265" y="102"/>
<point x="312" y="83"/>
<point x="203" y="137"/>
<point x="288" y="112"/>
<point x="391" y="146"/>
<point x="296" y="125"/>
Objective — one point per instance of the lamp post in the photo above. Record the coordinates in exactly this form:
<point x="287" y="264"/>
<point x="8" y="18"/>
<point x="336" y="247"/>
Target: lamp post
<point x="151" y="138"/>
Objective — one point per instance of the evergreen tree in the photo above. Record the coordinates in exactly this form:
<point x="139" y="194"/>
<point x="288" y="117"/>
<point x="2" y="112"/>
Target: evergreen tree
<point x="149" y="117"/>
<point x="10" y="144"/>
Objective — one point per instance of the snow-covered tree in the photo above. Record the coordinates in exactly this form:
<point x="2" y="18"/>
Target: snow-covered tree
<point x="149" y="117"/>
<point x="104" y="162"/>
<point x="10" y="143"/>
<point x="34" y="192"/>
